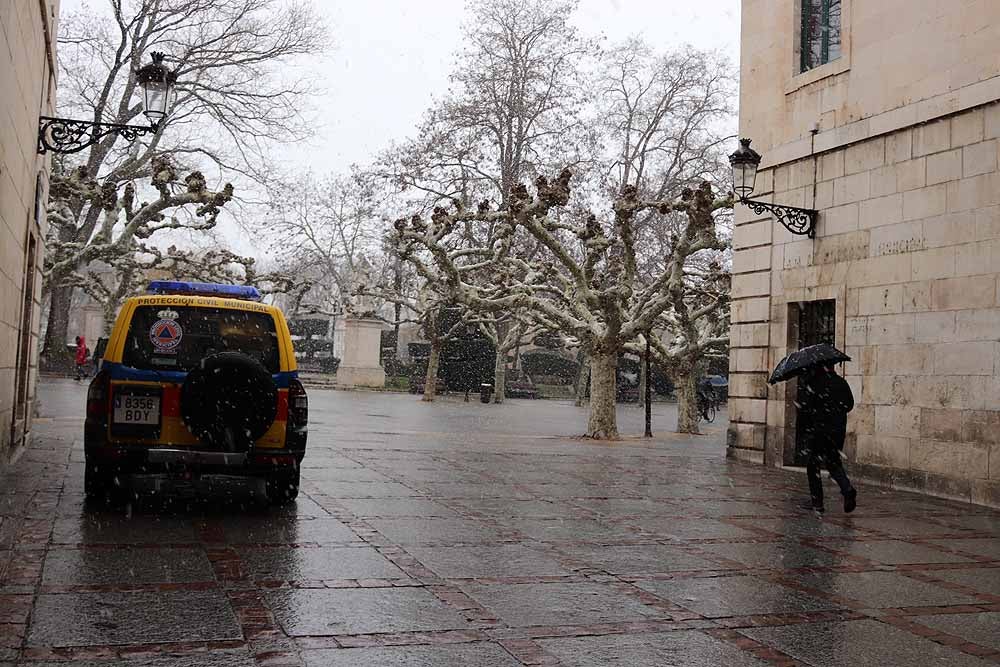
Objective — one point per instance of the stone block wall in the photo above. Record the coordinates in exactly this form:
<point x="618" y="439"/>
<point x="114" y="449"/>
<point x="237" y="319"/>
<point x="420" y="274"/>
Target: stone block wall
<point x="27" y="58"/>
<point x="908" y="243"/>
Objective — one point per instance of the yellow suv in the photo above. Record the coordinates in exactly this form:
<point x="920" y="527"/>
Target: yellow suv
<point x="198" y="389"/>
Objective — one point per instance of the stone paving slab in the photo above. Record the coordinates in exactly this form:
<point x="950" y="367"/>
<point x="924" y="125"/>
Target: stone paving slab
<point x="315" y="563"/>
<point x="278" y="530"/>
<point x="677" y="649"/>
<point x="336" y="489"/>
<point x="576" y="530"/>
<point x="417" y="545"/>
<point x="717" y="597"/>
<point x="686" y="529"/>
<point x="985" y="548"/>
<point x="436" y="531"/>
<point x="786" y="554"/>
<point x="559" y="604"/>
<point x="459" y="655"/>
<point x="639" y="559"/>
<point x="981" y="629"/>
<point x="506" y="560"/>
<point x="106" y="528"/>
<point x="895" y="552"/>
<point x="89" y="566"/>
<point x="317" y="612"/>
<point x="395" y="507"/>
<point x="863" y="643"/>
<point x="883" y="589"/>
<point x="506" y="507"/>
<point x="230" y="658"/>
<point x="82" y="619"/>
<point x="629" y="507"/>
<point x="985" y="580"/>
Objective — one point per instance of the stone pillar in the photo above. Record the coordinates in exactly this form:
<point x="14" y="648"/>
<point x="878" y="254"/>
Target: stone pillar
<point x="749" y="335"/>
<point x="357" y="342"/>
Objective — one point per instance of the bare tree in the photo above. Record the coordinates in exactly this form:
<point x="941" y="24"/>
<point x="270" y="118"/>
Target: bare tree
<point x="423" y="303"/>
<point x="329" y="227"/>
<point x="513" y="108"/>
<point x="506" y="331"/>
<point x="663" y="115"/>
<point x="119" y="245"/>
<point x="594" y="295"/>
<point x="665" y="119"/>
<point x="230" y="105"/>
<point x="692" y="330"/>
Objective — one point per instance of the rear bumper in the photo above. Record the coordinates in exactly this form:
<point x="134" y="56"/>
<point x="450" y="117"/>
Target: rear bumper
<point x="141" y="459"/>
<point x="189" y="457"/>
<point x="196" y="484"/>
<point x="126" y="456"/>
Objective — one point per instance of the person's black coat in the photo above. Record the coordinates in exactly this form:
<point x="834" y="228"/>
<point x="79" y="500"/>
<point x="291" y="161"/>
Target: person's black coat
<point x="824" y="400"/>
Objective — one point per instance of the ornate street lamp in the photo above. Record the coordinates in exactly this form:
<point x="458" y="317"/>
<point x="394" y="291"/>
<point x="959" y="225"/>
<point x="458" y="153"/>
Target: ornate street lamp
<point x="744" y="161"/>
<point x="64" y="135"/>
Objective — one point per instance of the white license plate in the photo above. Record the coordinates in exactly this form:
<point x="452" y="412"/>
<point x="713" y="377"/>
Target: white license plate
<point x="136" y="409"/>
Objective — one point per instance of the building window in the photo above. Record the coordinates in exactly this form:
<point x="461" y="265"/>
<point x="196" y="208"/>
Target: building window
<point x="820" y="33"/>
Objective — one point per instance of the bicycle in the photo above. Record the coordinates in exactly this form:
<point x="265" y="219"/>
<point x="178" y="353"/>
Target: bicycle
<point x="707" y="407"/>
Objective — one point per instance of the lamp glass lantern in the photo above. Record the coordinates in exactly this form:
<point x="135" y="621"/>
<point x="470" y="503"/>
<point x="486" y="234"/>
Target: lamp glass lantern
<point x="157" y="83"/>
<point x="744" y="162"/>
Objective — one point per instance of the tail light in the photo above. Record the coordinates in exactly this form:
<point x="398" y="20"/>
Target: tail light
<point x="298" y="405"/>
<point x="98" y="404"/>
<point x="98" y="396"/>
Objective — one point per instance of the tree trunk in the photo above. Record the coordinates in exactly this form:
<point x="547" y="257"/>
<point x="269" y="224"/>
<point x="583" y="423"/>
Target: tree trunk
<point x="397" y="308"/>
<point x="110" y="315"/>
<point x="55" y="356"/>
<point x="642" y="381"/>
<point x="430" y="383"/>
<point x="580" y="384"/>
<point x="687" y="402"/>
<point x="603" y="424"/>
<point x="500" y="376"/>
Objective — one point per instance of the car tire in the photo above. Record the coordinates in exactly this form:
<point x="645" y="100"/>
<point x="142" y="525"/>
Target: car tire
<point x="99" y="485"/>
<point x="283" y="487"/>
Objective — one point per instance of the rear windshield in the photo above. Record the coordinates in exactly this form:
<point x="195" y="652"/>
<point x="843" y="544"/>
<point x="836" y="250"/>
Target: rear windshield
<point x="177" y="338"/>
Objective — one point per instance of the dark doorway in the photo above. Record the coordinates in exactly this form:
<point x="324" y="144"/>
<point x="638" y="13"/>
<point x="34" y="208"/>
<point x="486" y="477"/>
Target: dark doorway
<point x="23" y="376"/>
<point x="817" y="324"/>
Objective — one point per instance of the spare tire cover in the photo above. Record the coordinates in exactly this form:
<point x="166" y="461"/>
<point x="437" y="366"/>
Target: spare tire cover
<point x="229" y="391"/>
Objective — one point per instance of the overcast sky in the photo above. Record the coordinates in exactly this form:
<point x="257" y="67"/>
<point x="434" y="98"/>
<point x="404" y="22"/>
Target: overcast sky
<point x="389" y="57"/>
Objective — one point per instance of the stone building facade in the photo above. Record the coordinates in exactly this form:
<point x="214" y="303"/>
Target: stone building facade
<point x="895" y="140"/>
<point x="28" y="82"/>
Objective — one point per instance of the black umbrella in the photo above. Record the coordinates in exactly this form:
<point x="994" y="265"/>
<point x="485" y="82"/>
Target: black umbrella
<point x="801" y="360"/>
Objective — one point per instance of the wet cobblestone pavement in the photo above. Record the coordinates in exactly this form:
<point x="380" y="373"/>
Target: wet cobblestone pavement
<point x="455" y="535"/>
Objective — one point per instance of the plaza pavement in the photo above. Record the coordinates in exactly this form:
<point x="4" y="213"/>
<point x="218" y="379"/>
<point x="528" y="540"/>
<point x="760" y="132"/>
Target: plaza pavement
<point x="461" y="534"/>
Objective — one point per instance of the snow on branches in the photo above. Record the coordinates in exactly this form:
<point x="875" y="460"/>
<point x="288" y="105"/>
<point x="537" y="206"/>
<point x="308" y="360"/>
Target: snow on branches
<point x="584" y="283"/>
<point x="124" y="225"/>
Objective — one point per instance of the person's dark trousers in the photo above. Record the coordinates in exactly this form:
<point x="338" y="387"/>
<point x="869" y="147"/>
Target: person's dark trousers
<point x="829" y="457"/>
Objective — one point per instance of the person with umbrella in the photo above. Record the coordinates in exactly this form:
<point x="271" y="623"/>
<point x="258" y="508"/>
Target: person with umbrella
<point x="824" y="399"/>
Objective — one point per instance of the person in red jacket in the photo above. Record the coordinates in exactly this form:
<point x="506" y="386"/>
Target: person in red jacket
<point x="81" y="358"/>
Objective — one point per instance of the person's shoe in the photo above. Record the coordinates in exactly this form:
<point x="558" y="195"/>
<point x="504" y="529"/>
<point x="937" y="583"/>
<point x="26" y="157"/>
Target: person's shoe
<point x="850" y="500"/>
<point x="813" y="507"/>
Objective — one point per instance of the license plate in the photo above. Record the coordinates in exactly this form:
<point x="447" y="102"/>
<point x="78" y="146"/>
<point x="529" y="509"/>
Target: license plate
<point x="137" y="409"/>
